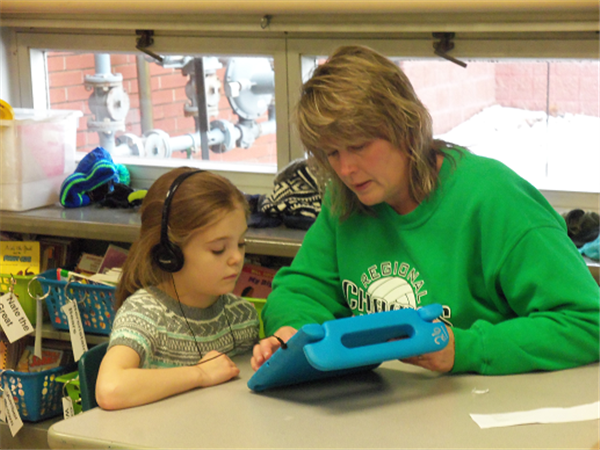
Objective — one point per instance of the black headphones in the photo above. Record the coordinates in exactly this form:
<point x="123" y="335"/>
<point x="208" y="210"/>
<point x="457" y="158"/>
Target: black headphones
<point x="166" y="255"/>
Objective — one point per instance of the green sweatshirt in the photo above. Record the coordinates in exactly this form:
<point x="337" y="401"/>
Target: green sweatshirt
<point x="486" y="245"/>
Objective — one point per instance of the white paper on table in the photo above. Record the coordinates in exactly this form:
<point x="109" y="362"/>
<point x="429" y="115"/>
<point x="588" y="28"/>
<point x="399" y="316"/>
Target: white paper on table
<point x="580" y="413"/>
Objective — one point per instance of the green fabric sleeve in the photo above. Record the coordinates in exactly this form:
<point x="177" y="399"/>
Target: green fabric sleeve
<point x="309" y="291"/>
<point x="556" y="323"/>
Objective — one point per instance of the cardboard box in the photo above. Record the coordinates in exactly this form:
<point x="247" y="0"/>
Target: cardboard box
<point x="37" y="152"/>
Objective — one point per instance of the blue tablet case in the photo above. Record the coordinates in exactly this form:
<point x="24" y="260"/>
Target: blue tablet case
<point x="343" y="346"/>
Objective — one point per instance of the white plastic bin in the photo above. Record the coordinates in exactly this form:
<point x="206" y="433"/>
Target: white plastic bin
<point x="37" y="152"/>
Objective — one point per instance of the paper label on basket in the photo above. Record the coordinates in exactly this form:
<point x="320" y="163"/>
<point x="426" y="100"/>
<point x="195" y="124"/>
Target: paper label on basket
<point x="13" y="419"/>
<point x="13" y="320"/>
<point x="37" y="348"/>
<point x="78" y="342"/>
<point x="68" y="410"/>
<point x="2" y="409"/>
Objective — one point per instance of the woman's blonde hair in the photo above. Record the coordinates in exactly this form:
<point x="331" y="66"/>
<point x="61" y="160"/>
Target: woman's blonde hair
<point x="201" y="200"/>
<point x="356" y="96"/>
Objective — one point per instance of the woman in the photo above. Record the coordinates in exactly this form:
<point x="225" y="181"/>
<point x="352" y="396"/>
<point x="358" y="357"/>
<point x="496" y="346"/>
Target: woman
<point x="408" y="221"/>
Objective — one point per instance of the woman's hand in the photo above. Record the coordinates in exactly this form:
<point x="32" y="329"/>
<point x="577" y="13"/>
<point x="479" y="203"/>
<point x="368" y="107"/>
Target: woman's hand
<point x="440" y="361"/>
<point x="216" y="368"/>
<point x="267" y="346"/>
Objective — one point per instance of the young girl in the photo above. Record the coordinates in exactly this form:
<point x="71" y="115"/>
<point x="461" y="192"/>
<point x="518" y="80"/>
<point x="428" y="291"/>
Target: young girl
<point x="176" y="320"/>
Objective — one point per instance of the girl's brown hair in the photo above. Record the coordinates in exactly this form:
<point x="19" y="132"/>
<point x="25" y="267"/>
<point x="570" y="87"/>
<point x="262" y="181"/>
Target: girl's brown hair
<point x="201" y="200"/>
<point x="356" y="96"/>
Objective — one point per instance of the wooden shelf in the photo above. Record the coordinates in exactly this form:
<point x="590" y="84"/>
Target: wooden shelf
<point x="49" y="332"/>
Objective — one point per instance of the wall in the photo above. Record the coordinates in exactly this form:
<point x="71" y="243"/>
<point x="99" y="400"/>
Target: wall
<point x="294" y="6"/>
<point x="572" y="88"/>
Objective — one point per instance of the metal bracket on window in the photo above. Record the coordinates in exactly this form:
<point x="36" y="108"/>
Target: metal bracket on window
<point x="146" y="40"/>
<point x="444" y="45"/>
<point x="265" y="21"/>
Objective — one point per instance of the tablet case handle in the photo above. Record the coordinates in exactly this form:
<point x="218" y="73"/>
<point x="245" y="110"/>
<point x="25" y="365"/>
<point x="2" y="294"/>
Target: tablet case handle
<point x="373" y="338"/>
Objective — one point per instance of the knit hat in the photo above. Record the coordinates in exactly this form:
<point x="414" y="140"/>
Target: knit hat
<point x="582" y="226"/>
<point x="295" y="193"/>
<point x="96" y="171"/>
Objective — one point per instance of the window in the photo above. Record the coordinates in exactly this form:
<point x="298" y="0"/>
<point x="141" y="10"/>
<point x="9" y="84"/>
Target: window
<point x="145" y="110"/>
<point x="139" y="107"/>
<point x="538" y="116"/>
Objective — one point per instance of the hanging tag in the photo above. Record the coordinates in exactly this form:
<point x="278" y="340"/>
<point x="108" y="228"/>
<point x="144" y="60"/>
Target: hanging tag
<point x="2" y="408"/>
<point x="13" y="320"/>
<point x="78" y="341"/>
<point x="68" y="410"/>
<point x="37" y="348"/>
<point x="12" y="413"/>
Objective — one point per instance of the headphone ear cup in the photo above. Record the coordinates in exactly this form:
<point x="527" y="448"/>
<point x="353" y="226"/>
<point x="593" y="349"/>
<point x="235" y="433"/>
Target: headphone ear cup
<point x="168" y="257"/>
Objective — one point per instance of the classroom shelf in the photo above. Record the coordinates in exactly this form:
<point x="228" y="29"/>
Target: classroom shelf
<point x="123" y="225"/>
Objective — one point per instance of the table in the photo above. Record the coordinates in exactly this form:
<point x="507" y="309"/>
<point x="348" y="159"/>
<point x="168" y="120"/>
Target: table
<point x="394" y="406"/>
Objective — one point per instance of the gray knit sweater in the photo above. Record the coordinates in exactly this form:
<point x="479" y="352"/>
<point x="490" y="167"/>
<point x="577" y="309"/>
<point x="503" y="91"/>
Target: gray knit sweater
<point x="150" y="322"/>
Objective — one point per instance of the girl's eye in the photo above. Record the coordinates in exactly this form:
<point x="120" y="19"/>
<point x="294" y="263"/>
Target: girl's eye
<point x="242" y="244"/>
<point x="332" y="154"/>
<point x="219" y="252"/>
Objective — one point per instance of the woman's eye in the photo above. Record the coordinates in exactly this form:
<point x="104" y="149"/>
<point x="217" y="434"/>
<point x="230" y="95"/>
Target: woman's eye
<point x="332" y="154"/>
<point x="356" y="147"/>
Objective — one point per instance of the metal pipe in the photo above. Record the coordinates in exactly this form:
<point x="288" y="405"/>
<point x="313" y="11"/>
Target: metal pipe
<point x="102" y="63"/>
<point x="268" y="127"/>
<point x="145" y="94"/>
<point x="184" y="142"/>
<point x="202" y="105"/>
<point x="103" y="67"/>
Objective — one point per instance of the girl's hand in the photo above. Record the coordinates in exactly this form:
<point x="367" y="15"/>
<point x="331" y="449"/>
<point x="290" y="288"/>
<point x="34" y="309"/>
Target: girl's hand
<point x="216" y="368"/>
<point x="266" y="347"/>
<point x="440" y="361"/>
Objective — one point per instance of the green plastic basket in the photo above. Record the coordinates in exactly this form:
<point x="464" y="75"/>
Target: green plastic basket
<point x="20" y="289"/>
<point x="258" y="303"/>
<point x="71" y="388"/>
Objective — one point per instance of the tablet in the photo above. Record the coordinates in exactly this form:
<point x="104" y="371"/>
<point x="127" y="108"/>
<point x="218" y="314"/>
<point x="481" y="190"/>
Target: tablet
<point x="344" y="346"/>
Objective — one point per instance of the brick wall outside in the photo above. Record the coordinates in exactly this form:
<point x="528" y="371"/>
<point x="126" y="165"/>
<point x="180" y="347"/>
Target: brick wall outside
<point x="573" y="87"/>
<point x="451" y="93"/>
<point x="67" y="73"/>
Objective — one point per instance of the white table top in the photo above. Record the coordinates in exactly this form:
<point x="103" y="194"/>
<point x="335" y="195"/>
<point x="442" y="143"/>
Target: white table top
<point x="394" y="406"/>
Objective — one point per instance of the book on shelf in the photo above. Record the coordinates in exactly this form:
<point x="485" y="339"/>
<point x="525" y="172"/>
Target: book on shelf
<point x="111" y="276"/>
<point x="30" y="363"/>
<point x="88" y="264"/>
<point x="20" y="257"/>
<point x="55" y="252"/>
<point x="254" y="281"/>
<point x="10" y="353"/>
<point x="114" y="257"/>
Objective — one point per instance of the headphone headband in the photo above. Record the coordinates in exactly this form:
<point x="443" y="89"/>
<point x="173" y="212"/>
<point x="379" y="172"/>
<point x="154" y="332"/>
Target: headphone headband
<point x="167" y="255"/>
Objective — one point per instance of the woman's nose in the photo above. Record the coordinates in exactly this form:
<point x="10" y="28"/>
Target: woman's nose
<point x="346" y="164"/>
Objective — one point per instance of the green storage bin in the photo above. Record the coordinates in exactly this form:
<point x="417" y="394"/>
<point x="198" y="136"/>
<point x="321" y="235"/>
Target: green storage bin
<point x="258" y="303"/>
<point x="20" y="289"/>
<point x="72" y="388"/>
